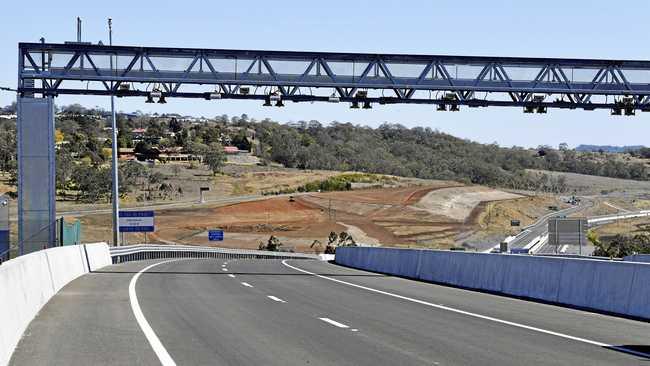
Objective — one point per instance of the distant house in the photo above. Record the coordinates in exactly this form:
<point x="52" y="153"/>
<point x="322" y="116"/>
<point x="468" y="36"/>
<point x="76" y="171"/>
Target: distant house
<point x="231" y="150"/>
<point x="126" y="153"/>
<point x="137" y="134"/>
<point x="176" y="154"/>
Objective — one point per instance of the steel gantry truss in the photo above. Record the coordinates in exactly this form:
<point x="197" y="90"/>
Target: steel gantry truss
<point x="534" y="84"/>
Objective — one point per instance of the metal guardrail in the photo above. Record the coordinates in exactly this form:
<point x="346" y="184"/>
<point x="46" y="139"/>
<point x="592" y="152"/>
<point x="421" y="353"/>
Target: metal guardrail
<point x="596" y="220"/>
<point x="152" y="251"/>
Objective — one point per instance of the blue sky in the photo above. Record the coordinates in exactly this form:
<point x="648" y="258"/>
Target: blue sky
<point x="550" y="28"/>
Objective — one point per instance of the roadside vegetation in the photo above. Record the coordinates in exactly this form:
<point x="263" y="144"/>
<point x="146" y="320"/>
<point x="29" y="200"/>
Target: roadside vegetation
<point x="620" y="245"/>
<point x="84" y="148"/>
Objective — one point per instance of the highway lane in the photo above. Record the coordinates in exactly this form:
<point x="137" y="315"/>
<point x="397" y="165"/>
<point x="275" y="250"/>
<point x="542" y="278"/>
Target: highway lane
<point x="248" y="312"/>
<point x="540" y="227"/>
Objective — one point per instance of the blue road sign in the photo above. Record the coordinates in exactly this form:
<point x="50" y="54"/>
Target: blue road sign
<point x="215" y="235"/>
<point x="136" y="221"/>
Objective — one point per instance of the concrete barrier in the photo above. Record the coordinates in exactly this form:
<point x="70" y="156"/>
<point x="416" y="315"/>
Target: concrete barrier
<point x="608" y="286"/>
<point x="28" y="282"/>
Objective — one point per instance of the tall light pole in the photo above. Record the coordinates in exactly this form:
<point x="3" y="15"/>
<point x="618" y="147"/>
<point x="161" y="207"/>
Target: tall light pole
<point x="116" y="182"/>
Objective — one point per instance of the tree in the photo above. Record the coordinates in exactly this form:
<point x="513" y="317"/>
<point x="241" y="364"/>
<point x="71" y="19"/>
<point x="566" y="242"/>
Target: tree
<point x="215" y="158"/>
<point x="9" y="109"/>
<point x="93" y="183"/>
<point x="272" y="245"/>
<point x="132" y="174"/>
<point x="7" y="149"/>
<point x="58" y="136"/>
<point x="174" y="125"/>
<point x="65" y="166"/>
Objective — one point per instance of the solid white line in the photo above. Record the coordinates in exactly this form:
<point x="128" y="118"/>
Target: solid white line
<point x="334" y="323"/>
<point x="155" y="343"/>
<point x="231" y="275"/>
<point x="276" y="299"/>
<point x="247" y="284"/>
<point x="474" y="315"/>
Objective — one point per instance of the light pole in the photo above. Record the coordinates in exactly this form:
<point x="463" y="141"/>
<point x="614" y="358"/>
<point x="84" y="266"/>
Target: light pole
<point x="116" y="182"/>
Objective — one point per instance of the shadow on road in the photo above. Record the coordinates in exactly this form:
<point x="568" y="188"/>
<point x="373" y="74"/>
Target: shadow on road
<point x="639" y="350"/>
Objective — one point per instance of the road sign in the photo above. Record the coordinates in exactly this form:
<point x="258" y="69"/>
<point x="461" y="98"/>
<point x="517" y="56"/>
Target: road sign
<point x="136" y="221"/>
<point x="567" y="231"/>
<point x="215" y="235"/>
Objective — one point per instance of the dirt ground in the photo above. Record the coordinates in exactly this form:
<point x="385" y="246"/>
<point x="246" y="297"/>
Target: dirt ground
<point x="494" y="218"/>
<point x="624" y="227"/>
<point x="386" y="216"/>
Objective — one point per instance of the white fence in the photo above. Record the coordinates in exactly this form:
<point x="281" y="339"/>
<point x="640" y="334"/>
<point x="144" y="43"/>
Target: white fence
<point x="608" y="286"/>
<point x="28" y="282"/>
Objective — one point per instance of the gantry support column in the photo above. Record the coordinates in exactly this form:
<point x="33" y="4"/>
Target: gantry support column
<point x="36" y="174"/>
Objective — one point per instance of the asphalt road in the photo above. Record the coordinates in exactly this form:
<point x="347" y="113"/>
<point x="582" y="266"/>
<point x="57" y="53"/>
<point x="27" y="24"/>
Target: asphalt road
<point x="540" y="227"/>
<point x="264" y="312"/>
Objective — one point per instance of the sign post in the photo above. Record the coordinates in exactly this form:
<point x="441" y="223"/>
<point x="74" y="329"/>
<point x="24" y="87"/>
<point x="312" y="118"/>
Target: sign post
<point x="137" y="222"/>
<point x="4" y="229"/>
<point x="201" y="190"/>
<point x="567" y="231"/>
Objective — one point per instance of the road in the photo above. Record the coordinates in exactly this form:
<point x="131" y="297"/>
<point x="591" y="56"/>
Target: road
<point x="540" y="227"/>
<point x="157" y="206"/>
<point x="256" y="312"/>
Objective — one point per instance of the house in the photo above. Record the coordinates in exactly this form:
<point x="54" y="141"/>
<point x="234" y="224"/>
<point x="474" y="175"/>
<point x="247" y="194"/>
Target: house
<point x="137" y="134"/>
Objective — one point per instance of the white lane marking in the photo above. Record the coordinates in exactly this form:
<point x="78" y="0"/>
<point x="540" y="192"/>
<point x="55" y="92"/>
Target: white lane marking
<point x="334" y="323"/>
<point x="231" y="275"/>
<point x="225" y="269"/>
<point x="154" y="341"/>
<point x="474" y="315"/>
<point x="354" y="330"/>
<point x="247" y="284"/>
<point x="276" y="299"/>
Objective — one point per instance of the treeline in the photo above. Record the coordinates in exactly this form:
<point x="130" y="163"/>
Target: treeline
<point x="425" y="153"/>
<point x="389" y="149"/>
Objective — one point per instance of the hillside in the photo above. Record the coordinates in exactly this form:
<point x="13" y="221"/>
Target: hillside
<point x="608" y="148"/>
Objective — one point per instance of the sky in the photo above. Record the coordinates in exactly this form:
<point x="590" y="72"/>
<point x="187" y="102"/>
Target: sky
<point x="549" y="28"/>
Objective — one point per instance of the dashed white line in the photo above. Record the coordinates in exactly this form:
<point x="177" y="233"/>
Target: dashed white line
<point x="246" y="284"/>
<point x="334" y="323"/>
<point x="474" y="315"/>
<point x="225" y="269"/>
<point x="231" y="275"/>
<point x="154" y="341"/>
<point x="276" y="299"/>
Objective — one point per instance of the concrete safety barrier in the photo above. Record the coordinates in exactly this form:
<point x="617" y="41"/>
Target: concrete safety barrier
<point x="28" y="282"/>
<point x="615" y="287"/>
